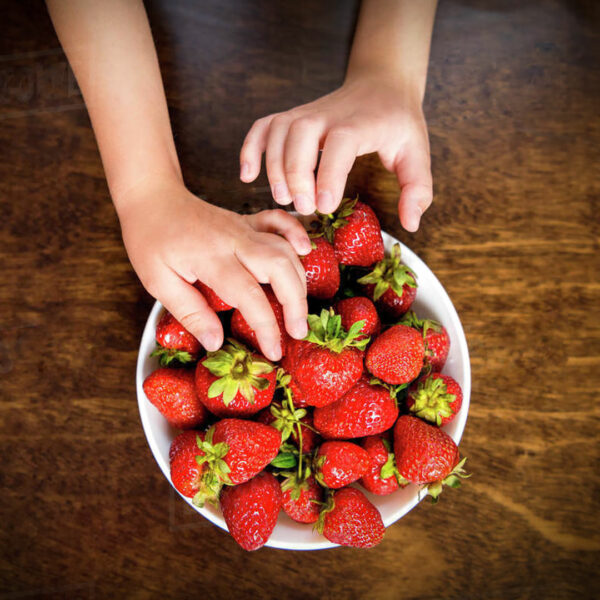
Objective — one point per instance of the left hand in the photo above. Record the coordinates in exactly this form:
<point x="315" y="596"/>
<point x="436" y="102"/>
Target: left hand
<point x="366" y="114"/>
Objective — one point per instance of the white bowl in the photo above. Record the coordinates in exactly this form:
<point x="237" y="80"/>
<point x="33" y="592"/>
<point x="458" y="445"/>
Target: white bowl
<point x="432" y="301"/>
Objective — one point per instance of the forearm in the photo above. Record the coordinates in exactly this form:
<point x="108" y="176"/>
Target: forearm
<point x="392" y="40"/>
<point x="111" y="51"/>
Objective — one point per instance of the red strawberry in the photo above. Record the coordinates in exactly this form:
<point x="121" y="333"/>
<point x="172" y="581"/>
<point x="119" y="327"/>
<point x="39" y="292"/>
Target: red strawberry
<point x="381" y="477"/>
<point x="211" y="297"/>
<point x="332" y="363"/>
<point x="322" y="269"/>
<point x="426" y="454"/>
<point x="244" y="333"/>
<point x="396" y="356"/>
<point x="234" y="382"/>
<point x="359" y="309"/>
<point x="350" y="519"/>
<point x="251" y="509"/>
<point x="302" y="499"/>
<point x="355" y="233"/>
<point x="173" y="392"/>
<point x="186" y="473"/>
<point x="338" y="464"/>
<point x="437" y="340"/>
<point x="293" y="351"/>
<point x="364" y="409"/>
<point x="391" y="284"/>
<point x="175" y="342"/>
<point x="234" y="451"/>
<point x="435" y="398"/>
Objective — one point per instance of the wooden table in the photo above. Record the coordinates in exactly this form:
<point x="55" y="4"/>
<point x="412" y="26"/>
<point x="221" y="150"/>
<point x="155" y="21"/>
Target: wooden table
<point x="512" y="104"/>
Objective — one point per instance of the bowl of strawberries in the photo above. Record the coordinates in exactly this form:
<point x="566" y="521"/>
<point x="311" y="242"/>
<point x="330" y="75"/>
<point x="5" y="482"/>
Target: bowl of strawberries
<point x="356" y="424"/>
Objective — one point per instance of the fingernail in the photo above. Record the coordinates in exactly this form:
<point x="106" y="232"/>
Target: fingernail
<point x="304" y="246"/>
<point x="300" y="329"/>
<point x="211" y="342"/>
<point x="280" y="191"/>
<point x="415" y="218"/>
<point x="303" y="204"/>
<point x="245" y="170"/>
<point x="275" y="353"/>
<point x="325" y="202"/>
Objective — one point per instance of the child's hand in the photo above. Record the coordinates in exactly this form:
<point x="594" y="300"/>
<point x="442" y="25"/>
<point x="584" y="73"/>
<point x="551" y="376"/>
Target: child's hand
<point x="367" y="114"/>
<point x="174" y="239"/>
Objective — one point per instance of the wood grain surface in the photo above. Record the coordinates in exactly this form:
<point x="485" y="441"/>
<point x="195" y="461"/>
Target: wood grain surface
<point x="512" y="105"/>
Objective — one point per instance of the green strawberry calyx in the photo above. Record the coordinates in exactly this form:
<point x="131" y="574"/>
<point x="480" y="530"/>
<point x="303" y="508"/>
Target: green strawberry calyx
<point x="326" y="330"/>
<point x="170" y="357"/>
<point x="215" y="472"/>
<point x="423" y="325"/>
<point x="237" y="371"/>
<point x="453" y="480"/>
<point x="389" y="468"/>
<point x="295" y="481"/>
<point x="390" y="272"/>
<point x="328" y="506"/>
<point x="394" y="390"/>
<point x="432" y="401"/>
<point x="329" y="223"/>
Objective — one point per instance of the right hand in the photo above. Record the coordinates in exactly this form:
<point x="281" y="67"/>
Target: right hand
<point x="174" y="239"/>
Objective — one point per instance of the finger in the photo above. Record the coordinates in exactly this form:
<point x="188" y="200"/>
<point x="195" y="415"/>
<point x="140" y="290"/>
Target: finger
<point x="274" y="159"/>
<point x="414" y="176"/>
<point x="252" y="148"/>
<point x="281" y="246"/>
<point x="268" y="265"/>
<point x="281" y="222"/>
<point x="301" y="153"/>
<point x="339" y="152"/>
<point x="189" y="307"/>
<point x="241" y="289"/>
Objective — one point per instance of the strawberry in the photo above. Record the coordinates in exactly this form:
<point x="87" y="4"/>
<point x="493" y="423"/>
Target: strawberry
<point x="234" y="450"/>
<point x="293" y="351"/>
<point x="391" y="284"/>
<point x="302" y="498"/>
<point x="355" y="233"/>
<point x="286" y="421"/>
<point x="173" y="392"/>
<point x="381" y="478"/>
<point x="211" y="297"/>
<point x="235" y="382"/>
<point x="359" y="309"/>
<point x="333" y="361"/>
<point x="396" y="356"/>
<point x="337" y="464"/>
<point x="350" y="519"/>
<point x="427" y="455"/>
<point x="437" y="340"/>
<point x="364" y="409"/>
<point x="322" y="269"/>
<point x="186" y="473"/>
<point x="436" y="398"/>
<point x="175" y="344"/>
<point x="251" y="509"/>
<point x="244" y="333"/>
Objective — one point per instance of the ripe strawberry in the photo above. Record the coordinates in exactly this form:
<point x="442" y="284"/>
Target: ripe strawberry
<point x="211" y="297"/>
<point x="322" y="269"/>
<point x="437" y="340"/>
<point x="359" y="309"/>
<point x="234" y="450"/>
<point x="337" y="464"/>
<point x="293" y="351"/>
<point x="302" y="499"/>
<point x="174" y="342"/>
<point x="381" y="478"/>
<point x="435" y="398"/>
<point x="396" y="356"/>
<point x="244" y="333"/>
<point x="234" y="382"/>
<point x="333" y="361"/>
<point x="426" y="454"/>
<point x="251" y="509"/>
<point x="355" y="233"/>
<point x="364" y="409"/>
<point x="391" y="284"/>
<point x="350" y="519"/>
<point x="173" y="392"/>
<point x="186" y="473"/>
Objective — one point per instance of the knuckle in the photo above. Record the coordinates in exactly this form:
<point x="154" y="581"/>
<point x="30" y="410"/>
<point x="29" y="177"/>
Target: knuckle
<point x="341" y="130"/>
<point x="303" y="124"/>
<point x="193" y="321"/>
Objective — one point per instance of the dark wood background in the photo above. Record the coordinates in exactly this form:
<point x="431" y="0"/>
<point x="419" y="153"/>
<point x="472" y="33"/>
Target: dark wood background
<point x="512" y="104"/>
